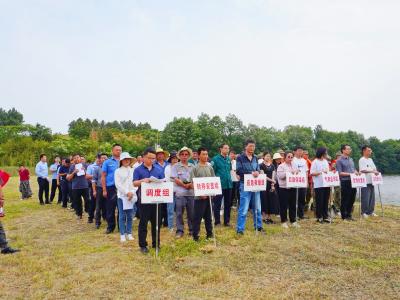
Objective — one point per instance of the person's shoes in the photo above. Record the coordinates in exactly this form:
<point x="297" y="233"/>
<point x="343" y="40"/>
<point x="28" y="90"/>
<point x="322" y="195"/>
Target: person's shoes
<point x="144" y="250"/>
<point x="79" y="217"/>
<point x="295" y="225"/>
<point x="217" y="225"/>
<point x="374" y="215"/>
<point x="269" y="221"/>
<point x="261" y="230"/>
<point x="41" y="203"/>
<point x="90" y="221"/>
<point x="285" y="225"/>
<point x="339" y="214"/>
<point x="108" y="231"/>
<point x="327" y="221"/>
<point x="130" y="237"/>
<point x="209" y="237"/>
<point x="123" y="238"/>
<point x="179" y="235"/>
<point x="190" y="233"/>
<point x="97" y="226"/>
<point x="350" y="219"/>
<point x="320" y="221"/>
<point x="227" y="225"/>
<point x="9" y="250"/>
<point x="239" y="233"/>
<point x="365" y="216"/>
<point x="47" y="202"/>
<point x="196" y="239"/>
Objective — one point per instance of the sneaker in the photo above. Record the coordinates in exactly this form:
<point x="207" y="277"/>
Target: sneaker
<point x="374" y="215"/>
<point x="285" y="225"/>
<point x="130" y="237"/>
<point x="327" y="220"/>
<point x="123" y="238"/>
<point x="179" y="235"/>
<point x="365" y="216"/>
<point x="320" y="221"/>
<point x="339" y="214"/>
<point x="295" y="225"/>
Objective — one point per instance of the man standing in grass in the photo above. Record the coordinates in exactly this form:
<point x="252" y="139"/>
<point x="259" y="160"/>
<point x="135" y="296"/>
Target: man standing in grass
<point x="367" y="166"/>
<point x="247" y="163"/>
<point x="300" y="164"/>
<point x="5" y="249"/>
<point x="42" y="172"/>
<point x="202" y="209"/>
<point x="53" y="170"/>
<point x="108" y="186"/>
<point x="148" y="212"/>
<point x="222" y="168"/>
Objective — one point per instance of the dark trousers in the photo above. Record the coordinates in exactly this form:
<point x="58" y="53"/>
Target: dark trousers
<point x="43" y="189"/>
<point x="100" y="206"/>
<point x="287" y="199"/>
<point x="164" y="214"/>
<point x="64" y="184"/>
<point x="148" y="213"/>
<point x="235" y="193"/>
<point x="3" y="240"/>
<point x="54" y="188"/>
<point x="111" y="205"/>
<point x="202" y="210"/>
<point x="227" y="195"/>
<point x="301" y="202"/>
<point x="322" y="199"/>
<point x="348" y="195"/>
<point x="77" y="196"/>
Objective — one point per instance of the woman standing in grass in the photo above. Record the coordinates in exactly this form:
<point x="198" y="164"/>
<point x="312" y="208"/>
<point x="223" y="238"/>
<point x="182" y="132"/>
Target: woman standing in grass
<point x="318" y="167"/>
<point x="287" y="196"/>
<point x="269" y="201"/>
<point x="126" y="196"/>
<point x="24" y="185"/>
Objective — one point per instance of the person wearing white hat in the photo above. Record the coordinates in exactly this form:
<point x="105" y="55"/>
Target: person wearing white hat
<point x="126" y="192"/>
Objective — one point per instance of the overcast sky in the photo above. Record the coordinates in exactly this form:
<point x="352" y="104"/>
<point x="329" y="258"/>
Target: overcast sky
<point x="272" y="63"/>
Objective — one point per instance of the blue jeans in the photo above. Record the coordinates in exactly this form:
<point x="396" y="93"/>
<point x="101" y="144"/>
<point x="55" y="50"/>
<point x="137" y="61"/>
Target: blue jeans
<point x="171" y="214"/>
<point x="124" y="218"/>
<point x="245" y="199"/>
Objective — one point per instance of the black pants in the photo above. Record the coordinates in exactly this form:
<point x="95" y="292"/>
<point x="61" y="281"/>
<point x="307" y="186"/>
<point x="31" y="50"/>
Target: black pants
<point x="322" y="199"/>
<point x="348" y="195"/>
<point x="54" y="188"/>
<point x="148" y="213"/>
<point x="301" y="202"/>
<point x="77" y="196"/>
<point x="235" y="193"/>
<point x="227" y="195"/>
<point x="43" y="188"/>
<point x="164" y="214"/>
<point x="287" y="199"/>
<point x="64" y="184"/>
<point x="3" y="239"/>
<point x="100" y="206"/>
<point x="111" y="205"/>
<point x="201" y="210"/>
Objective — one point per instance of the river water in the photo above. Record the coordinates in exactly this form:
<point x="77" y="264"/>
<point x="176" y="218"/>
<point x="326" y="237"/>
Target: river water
<point x="390" y="190"/>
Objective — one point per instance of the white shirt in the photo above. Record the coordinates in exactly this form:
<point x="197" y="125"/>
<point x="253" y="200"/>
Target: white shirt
<point x="300" y="164"/>
<point x="123" y="177"/>
<point x="319" y="166"/>
<point x="167" y="173"/>
<point x="233" y="171"/>
<point x="367" y="164"/>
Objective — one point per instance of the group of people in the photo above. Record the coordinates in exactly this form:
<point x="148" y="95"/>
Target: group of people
<point x="114" y="183"/>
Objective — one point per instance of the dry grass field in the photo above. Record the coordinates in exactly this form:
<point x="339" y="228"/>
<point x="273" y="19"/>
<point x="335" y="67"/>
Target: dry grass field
<point x="63" y="258"/>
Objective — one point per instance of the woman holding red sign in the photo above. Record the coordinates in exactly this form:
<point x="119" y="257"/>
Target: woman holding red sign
<point x="320" y="166"/>
<point x="287" y="196"/>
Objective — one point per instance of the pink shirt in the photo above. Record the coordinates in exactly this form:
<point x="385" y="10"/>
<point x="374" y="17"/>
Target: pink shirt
<point x="281" y="173"/>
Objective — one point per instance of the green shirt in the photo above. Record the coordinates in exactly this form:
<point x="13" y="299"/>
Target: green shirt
<point x="201" y="171"/>
<point x="222" y="168"/>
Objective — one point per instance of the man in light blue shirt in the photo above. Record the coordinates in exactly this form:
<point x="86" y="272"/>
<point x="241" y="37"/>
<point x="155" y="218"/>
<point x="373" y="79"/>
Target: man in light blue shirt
<point x="53" y="170"/>
<point x="42" y="172"/>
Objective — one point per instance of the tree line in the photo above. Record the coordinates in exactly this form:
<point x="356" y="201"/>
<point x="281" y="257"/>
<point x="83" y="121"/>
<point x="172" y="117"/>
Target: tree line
<point x="22" y="143"/>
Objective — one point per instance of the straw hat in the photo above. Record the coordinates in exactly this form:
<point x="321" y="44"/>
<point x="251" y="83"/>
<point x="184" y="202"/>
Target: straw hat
<point x="277" y="156"/>
<point x="160" y="150"/>
<point x="186" y="149"/>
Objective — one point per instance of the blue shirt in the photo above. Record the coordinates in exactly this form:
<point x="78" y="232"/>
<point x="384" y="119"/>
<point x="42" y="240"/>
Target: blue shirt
<point x="63" y="170"/>
<point x="109" y="167"/>
<point x="142" y="172"/>
<point x="53" y="168"/>
<point x="245" y="166"/>
<point x="78" y="182"/>
<point x="91" y="169"/>
<point x="41" y="169"/>
<point x="162" y="166"/>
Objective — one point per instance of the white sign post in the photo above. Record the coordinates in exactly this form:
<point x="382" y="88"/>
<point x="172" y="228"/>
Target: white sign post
<point x="156" y="193"/>
<point x="330" y="179"/>
<point x="255" y="184"/>
<point x="358" y="182"/>
<point x="296" y="181"/>
<point x="377" y="180"/>
<point x="208" y="186"/>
